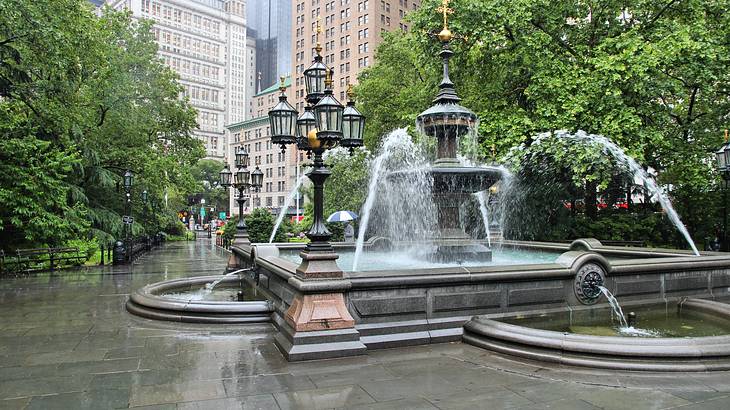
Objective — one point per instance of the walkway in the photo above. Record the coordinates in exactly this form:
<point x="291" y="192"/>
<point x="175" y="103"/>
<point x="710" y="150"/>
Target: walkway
<point x="66" y="342"/>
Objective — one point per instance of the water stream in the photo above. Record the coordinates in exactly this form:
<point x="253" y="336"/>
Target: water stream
<point x="615" y="306"/>
<point x="396" y="137"/>
<point x="624" y="328"/>
<point x="482" y="199"/>
<point x="637" y="171"/>
<point x="285" y="207"/>
<point x="210" y="286"/>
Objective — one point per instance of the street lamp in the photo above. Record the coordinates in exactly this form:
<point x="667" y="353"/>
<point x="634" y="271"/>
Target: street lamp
<point x="145" y="198"/>
<point x="318" y="128"/>
<point x="242" y="181"/>
<point x="127" y="180"/>
<point x="353" y="123"/>
<point x="723" y="166"/>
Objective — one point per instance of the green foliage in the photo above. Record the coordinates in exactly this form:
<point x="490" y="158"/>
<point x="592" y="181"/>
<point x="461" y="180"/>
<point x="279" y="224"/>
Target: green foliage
<point x="82" y="99"/>
<point x="260" y="223"/>
<point x="652" y="76"/>
<point x="229" y="229"/>
<point x="346" y="189"/>
<point x="206" y="173"/>
<point x="86" y="247"/>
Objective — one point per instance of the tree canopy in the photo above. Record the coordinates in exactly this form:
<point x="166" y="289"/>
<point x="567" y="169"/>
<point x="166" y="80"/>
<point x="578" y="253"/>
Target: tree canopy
<point x="82" y="99"/>
<point x="650" y="75"/>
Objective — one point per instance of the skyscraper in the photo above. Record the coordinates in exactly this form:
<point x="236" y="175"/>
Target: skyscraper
<point x="205" y="42"/>
<point x="270" y="22"/>
<point x="350" y="33"/>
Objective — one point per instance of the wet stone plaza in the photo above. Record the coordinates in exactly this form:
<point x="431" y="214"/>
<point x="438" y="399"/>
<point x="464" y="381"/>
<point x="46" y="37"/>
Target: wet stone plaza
<point x="67" y="342"/>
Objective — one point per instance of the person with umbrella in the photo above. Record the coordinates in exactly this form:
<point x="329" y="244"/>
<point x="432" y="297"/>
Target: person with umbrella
<point x="345" y="216"/>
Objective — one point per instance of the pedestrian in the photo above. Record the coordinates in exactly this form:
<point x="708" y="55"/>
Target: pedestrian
<point x="349" y="232"/>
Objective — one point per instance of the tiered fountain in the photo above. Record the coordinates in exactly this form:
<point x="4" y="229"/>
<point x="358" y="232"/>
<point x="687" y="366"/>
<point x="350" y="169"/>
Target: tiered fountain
<point x="558" y="288"/>
<point x="452" y="183"/>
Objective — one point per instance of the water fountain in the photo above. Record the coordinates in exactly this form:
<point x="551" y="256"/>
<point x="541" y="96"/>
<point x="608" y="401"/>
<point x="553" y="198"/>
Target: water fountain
<point x="452" y="182"/>
<point x="449" y="287"/>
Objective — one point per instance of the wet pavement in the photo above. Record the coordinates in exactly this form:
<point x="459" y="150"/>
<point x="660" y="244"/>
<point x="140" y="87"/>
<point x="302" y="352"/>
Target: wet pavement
<point x="66" y="342"/>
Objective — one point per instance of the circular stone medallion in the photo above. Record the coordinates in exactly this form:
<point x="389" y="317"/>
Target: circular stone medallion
<point x="587" y="280"/>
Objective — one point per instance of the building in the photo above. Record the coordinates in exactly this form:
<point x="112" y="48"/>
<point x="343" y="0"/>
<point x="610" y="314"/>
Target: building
<point x="205" y="42"/>
<point x="350" y="34"/>
<point x="270" y="23"/>
<point x="281" y="170"/>
<point x="252" y="84"/>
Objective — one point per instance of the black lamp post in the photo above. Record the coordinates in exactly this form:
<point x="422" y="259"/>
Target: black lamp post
<point x="723" y="166"/>
<point x="319" y="128"/>
<point x="127" y="182"/>
<point x="242" y="181"/>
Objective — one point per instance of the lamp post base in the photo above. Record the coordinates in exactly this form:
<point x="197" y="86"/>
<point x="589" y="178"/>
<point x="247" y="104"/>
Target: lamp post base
<point x="319" y="261"/>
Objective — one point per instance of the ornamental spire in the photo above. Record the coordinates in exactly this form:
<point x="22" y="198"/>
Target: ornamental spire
<point x="444" y="9"/>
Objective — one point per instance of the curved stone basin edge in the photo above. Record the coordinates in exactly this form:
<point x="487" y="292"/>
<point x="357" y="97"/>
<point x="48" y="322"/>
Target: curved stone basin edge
<point x="645" y="260"/>
<point x="146" y="302"/>
<point x="610" y="352"/>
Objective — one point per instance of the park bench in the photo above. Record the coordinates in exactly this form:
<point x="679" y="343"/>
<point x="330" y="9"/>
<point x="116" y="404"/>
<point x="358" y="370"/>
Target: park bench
<point x="40" y="259"/>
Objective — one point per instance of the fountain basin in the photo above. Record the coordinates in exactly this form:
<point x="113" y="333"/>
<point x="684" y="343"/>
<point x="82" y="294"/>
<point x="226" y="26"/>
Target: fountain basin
<point x="166" y="300"/>
<point x="402" y="305"/>
<point x="532" y="340"/>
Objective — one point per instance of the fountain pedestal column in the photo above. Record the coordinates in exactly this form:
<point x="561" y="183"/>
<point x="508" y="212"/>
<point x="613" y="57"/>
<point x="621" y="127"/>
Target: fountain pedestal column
<point x="452" y="243"/>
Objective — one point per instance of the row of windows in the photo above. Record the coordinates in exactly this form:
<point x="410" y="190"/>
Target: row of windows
<point x="187" y="45"/>
<point x="197" y="93"/>
<point x="195" y="68"/>
<point x="177" y="15"/>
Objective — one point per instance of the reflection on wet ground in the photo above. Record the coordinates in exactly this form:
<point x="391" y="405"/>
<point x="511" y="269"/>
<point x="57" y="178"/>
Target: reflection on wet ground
<point x="67" y="342"/>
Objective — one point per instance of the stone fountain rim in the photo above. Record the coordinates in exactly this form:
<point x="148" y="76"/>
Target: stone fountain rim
<point x="643" y="354"/>
<point x="147" y="303"/>
<point x="575" y="255"/>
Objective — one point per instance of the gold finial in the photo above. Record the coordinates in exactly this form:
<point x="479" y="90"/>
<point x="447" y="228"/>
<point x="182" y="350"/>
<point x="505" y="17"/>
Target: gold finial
<point x="445" y="34"/>
<point x="725" y="135"/>
<point x="328" y="81"/>
<point x="318" y="31"/>
<point x="350" y="92"/>
<point x="282" y="86"/>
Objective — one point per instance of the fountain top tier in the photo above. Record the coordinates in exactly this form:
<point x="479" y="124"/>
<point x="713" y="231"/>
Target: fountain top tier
<point x="446" y="120"/>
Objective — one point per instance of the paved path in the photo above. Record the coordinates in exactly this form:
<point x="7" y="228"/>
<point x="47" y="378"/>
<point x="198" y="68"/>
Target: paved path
<point x="66" y="342"/>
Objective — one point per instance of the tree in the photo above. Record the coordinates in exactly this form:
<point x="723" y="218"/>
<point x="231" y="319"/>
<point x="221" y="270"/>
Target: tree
<point x="206" y="173"/>
<point x="260" y="223"/>
<point x="652" y="76"/>
<point x="82" y="99"/>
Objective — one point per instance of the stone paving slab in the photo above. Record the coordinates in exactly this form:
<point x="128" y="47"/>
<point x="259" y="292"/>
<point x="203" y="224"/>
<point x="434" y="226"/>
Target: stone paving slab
<point x="67" y="342"/>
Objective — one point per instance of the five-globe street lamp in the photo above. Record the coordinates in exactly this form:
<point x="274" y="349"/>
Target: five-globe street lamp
<point x="723" y="166"/>
<point x="242" y="180"/>
<point x="324" y="124"/>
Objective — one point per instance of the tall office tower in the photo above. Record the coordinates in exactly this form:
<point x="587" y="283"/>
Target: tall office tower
<point x="252" y="86"/>
<point x="270" y="23"/>
<point x="205" y="42"/>
<point x="350" y="32"/>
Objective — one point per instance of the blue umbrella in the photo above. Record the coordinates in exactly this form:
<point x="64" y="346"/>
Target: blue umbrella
<point x="342" y="216"/>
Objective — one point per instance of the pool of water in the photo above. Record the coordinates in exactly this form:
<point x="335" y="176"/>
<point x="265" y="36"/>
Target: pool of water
<point x="370" y="261"/>
<point x="651" y="321"/>
<point x="219" y="294"/>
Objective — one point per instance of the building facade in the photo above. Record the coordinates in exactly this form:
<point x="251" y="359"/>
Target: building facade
<point x="350" y="33"/>
<point x="270" y="23"/>
<point x="281" y="170"/>
<point x="205" y="42"/>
